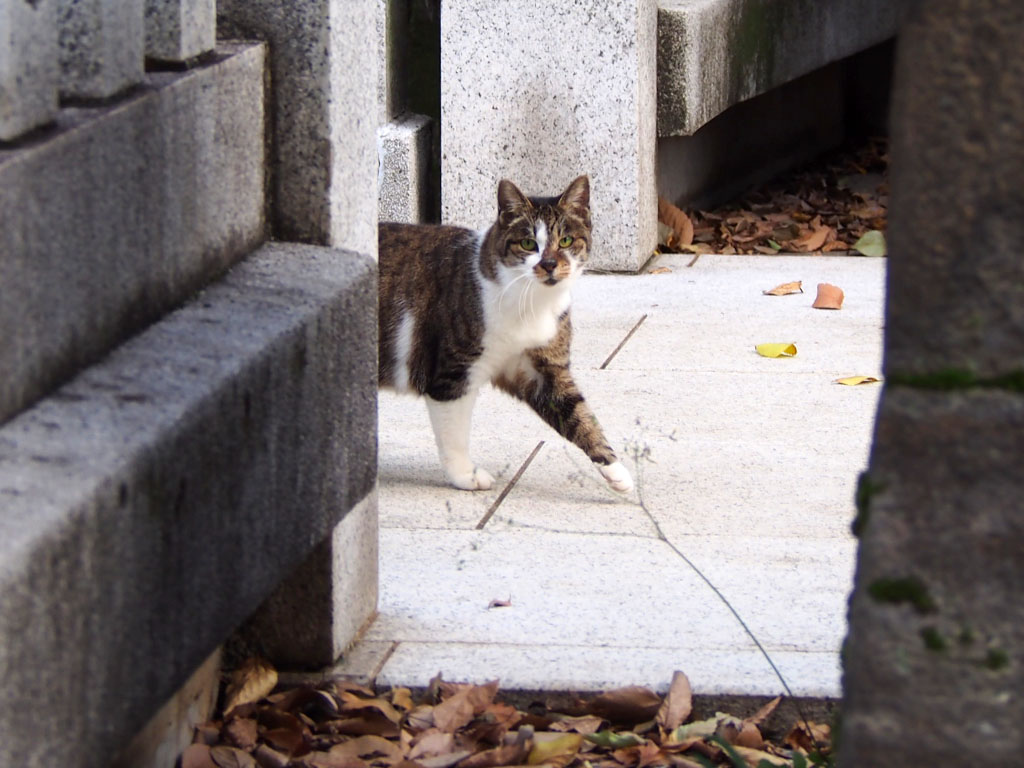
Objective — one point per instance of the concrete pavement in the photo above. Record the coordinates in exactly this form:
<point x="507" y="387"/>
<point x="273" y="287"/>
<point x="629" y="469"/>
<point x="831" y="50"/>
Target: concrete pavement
<point x="746" y="464"/>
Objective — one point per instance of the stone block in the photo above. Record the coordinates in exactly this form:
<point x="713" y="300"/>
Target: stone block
<point x="152" y="503"/>
<point x="392" y="28"/>
<point x="317" y="612"/>
<point x="724" y="158"/>
<point x="956" y="280"/>
<point x="323" y="163"/>
<point x="123" y="213"/>
<point x="171" y="729"/>
<point x="403" y="185"/>
<point x="717" y="53"/>
<point x="933" y="659"/>
<point x="28" y="66"/>
<point x="180" y="30"/>
<point x="102" y="46"/>
<point x="540" y="94"/>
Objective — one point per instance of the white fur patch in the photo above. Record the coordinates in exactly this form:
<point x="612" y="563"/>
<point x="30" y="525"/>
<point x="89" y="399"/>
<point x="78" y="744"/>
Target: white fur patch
<point x="617" y="477"/>
<point x="403" y="345"/>
<point x="451" y="422"/>
<point x="540" y="234"/>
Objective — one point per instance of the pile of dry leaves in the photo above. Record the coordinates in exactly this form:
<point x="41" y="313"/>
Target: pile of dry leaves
<point x="839" y="204"/>
<point x="345" y="725"/>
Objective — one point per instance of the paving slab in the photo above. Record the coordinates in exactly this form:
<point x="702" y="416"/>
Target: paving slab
<point x="746" y="470"/>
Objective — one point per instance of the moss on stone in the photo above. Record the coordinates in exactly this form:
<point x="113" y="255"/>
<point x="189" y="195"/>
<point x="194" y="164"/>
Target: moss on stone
<point x="866" y="489"/>
<point x="933" y="639"/>
<point x="996" y="659"/>
<point x="955" y="379"/>
<point x="909" y="589"/>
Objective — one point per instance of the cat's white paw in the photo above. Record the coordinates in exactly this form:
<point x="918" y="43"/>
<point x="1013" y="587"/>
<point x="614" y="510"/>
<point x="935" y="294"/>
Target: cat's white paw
<point x="476" y="479"/>
<point x="617" y="477"/>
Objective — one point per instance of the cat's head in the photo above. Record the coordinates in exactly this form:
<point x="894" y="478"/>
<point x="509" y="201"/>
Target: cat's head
<point x="549" y="238"/>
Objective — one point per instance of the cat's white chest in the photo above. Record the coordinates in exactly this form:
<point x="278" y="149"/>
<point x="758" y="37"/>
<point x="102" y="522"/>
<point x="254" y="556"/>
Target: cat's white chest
<point x="515" y="321"/>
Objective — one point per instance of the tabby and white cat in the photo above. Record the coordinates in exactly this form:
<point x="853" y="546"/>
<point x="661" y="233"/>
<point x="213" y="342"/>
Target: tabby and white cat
<point x="460" y="309"/>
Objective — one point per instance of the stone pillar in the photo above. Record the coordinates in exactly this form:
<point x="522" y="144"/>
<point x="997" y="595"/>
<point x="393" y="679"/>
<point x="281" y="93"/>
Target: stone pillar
<point x="28" y="66"/>
<point x="101" y="46"/>
<point x="404" y="145"/>
<point x="541" y="92"/>
<point x="313" y="617"/>
<point x="934" y="663"/>
<point x="324" y="115"/>
<point x="180" y="30"/>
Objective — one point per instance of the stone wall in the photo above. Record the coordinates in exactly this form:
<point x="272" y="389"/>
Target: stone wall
<point x="187" y="411"/>
<point x="934" y="662"/>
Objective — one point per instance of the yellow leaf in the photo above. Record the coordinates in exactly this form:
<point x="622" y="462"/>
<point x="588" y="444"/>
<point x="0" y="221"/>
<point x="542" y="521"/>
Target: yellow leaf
<point x="543" y="751"/>
<point x="659" y="271"/>
<point x="776" y="350"/>
<point x="852" y="381"/>
<point x="785" y="289"/>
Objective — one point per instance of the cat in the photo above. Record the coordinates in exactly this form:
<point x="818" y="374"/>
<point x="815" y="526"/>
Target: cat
<point x="460" y="309"/>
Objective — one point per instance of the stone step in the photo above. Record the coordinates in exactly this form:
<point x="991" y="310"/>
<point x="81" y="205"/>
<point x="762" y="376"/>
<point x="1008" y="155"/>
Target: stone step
<point x="152" y="503"/>
<point x="713" y="54"/>
<point x="120" y="212"/>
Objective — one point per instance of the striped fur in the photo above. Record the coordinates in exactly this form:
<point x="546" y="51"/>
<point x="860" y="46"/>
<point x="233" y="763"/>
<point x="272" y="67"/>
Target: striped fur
<point x="460" y="309"/>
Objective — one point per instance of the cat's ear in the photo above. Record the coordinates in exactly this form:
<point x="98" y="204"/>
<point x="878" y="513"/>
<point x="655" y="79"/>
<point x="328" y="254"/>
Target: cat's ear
<point x="511" y="202"/>
<point x="577" y="194"/>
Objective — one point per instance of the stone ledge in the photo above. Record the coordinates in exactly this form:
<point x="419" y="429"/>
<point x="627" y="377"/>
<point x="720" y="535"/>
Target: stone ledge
<point x="122" y="212"/>
<point x="153" y="502"/>
<point x="402" y="187"/>
<point x="713" y="54"/>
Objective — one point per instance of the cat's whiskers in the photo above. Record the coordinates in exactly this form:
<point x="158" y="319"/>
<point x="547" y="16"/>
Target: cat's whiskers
<point x="508" y="287"/>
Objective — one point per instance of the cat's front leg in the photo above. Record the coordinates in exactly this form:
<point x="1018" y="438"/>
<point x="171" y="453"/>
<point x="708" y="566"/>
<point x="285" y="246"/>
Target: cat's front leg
<point x="451" y="421"/>
<point x="550" y="390"/>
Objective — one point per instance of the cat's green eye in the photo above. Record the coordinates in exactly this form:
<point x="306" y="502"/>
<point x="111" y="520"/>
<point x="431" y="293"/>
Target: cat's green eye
<point x="566" y="241"/>
<point x="528" y="244"/>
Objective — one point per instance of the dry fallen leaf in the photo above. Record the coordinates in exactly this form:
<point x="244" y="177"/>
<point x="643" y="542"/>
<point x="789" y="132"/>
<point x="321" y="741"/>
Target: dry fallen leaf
<point x="678" y="703"/>
<point x="776" y="350"/>
<point x="369" y="747"/>
<point x="659" y="271"/>
<point x="755" y="756"/>
<point x="813" y="240"/>
<point x="632" y="704"/>
<point x="800" y="738"/>
<point x="853" y="381"/>
<point x="550" y="749"/>
<point x="785" y="289"/>
<point x="764" y="712"/>
<point x="682" y="226"/>
<point x="230" y="757"/>
<point x="253" y="680"/>
<point x="197" y="756"/>
<point x="829" y="297"/>
<point x="500" y="603"/>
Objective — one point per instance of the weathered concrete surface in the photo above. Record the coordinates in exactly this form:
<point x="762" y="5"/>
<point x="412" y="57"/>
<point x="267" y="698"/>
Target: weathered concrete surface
<point x="29" y="68"/>
<point x="152" y="503"/>
<point x="404" y="184"/>
<point x="956" y="300"/>
<point x="934" y="663"/>
<point x="319" y="609"/>
<point x="716" y="53"/>
<point x="102" y="46"/>
<point x="323" y="77"/>
<point x="123" y="213"/>
<point x="179" y="30"/>
<point x="540" y="93"/>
